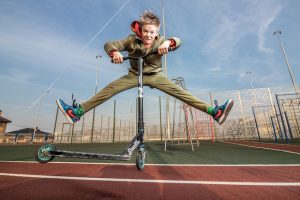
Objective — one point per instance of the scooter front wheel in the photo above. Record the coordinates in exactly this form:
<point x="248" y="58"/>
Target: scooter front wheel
<point x="140" y="159"/>
<point x="42" y="153"/>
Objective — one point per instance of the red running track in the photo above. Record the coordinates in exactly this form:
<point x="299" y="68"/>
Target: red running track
<point x="21" y="180"/>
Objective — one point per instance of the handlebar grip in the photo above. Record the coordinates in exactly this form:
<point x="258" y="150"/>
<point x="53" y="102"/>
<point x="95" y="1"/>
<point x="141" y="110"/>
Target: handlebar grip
<point x="124" y="58"/>
<point x="156" y="52"/>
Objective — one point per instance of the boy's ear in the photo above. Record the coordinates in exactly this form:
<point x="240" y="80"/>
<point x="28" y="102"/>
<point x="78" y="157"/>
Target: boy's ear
<point x="157" y="30"/>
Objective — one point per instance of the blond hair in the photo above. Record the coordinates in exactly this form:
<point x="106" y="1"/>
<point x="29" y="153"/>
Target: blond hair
<point x="148" y="17"/>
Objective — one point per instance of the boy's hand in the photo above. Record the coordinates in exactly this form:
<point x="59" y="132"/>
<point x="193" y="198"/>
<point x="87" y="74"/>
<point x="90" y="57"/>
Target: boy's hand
<point x="118" y="58"/>
<point x="164" y="47"/>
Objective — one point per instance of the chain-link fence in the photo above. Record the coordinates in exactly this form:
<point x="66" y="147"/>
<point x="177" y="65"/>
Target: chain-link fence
<point x="258" y="114"/>
<point x="106" y="129"/>
<point x="262" y="114"/>
<point x="289" y="115"/>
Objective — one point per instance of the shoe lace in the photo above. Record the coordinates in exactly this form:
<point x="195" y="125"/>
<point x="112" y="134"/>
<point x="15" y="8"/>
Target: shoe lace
<point x="216" y="103"/>
<point x="217" y="111"/>
<point x="74" y="103"/>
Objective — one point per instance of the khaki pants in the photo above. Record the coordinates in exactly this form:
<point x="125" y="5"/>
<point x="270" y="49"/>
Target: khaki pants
<point x="156" y="80"/>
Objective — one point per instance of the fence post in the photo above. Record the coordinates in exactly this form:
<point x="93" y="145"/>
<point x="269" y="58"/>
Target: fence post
<point x="256" y="123"/>
<point x="280" y="131"/>
<point x="129" y="133"/>
<point x="101" y="128"/>
<point x="72" y="132"/>
<point x="120" y="130"/>
<point x="114" y="122"/>
<point x="55" y="123"/>
<point x="82" y="129"/>
<point x="282" y="120"/>
<point x="274" y="130"/>
<point x="212" y="125"/>
<point x="62" y="132"/>
<point x="108" y="126"/>
<point x="161" y="134"/>
<point x="241" y="105"/>
<point x="93" y="125"/>
<point x="173" y="125"/>
<point x="271" y="100"/>
<point x="289" y="126"/>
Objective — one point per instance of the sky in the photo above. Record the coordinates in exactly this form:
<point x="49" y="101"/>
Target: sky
<point x="48" y="50"/>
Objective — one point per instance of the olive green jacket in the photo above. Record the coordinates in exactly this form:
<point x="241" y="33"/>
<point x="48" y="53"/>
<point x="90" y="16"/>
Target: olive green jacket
<point x="135" y="47"/>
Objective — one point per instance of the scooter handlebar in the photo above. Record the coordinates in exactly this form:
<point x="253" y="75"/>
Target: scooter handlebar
<point x="136" y="58"/>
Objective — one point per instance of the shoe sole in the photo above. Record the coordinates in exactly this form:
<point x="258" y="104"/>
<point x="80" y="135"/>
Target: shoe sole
<point x="64" y="112"/>
<point x="226" y="111"/>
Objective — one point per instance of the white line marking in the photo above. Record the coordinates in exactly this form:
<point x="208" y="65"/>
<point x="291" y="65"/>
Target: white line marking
<point x="154" y="181"/>
<point x="164" y="165"/>
<point x="269" y="143"/>
<point x="262" y="148"/>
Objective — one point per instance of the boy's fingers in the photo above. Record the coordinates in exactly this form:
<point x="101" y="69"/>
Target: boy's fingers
<point x="163" y="50"/>
<point x="118" y="60"/>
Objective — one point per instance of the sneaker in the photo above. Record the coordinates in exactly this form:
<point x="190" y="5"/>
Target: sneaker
<point x="72" y="113"/>
<point x="220" y="113"/>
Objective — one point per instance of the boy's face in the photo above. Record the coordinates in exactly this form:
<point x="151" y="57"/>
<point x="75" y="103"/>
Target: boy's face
<point x="149" y="32"/>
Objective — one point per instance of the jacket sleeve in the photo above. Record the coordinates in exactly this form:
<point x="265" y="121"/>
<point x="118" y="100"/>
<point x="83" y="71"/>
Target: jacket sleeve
<point x="175" y="42"/>
<point x="117" y="45"/>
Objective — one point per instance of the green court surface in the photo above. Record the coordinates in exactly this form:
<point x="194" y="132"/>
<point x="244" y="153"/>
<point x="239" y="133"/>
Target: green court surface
<point x="206" y="153"/>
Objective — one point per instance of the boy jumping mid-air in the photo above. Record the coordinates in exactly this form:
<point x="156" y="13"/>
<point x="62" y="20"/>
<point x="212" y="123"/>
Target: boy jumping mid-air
<point x="146" y="39"/>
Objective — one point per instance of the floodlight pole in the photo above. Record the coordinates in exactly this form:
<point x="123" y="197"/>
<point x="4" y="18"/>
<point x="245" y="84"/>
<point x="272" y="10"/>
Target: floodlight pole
<point x="96" y="89"/>
<point x="167" y="135"/>
<point x="278" y="33"/>
<point x="36" y="121"/>
<point x="250" y="79"/>
<point x="251" y="86"/>
<point x="37" y="114"/>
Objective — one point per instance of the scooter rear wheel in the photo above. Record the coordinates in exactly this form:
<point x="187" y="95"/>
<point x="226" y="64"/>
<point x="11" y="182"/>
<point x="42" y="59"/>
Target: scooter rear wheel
<point x="42" y="153"/>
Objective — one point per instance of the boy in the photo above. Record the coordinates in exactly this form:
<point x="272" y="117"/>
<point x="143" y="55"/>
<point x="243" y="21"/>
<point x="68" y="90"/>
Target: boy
<point x="145" y="39"/>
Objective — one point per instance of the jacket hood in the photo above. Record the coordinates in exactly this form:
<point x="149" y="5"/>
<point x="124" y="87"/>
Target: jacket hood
<point x="136" y="28"/>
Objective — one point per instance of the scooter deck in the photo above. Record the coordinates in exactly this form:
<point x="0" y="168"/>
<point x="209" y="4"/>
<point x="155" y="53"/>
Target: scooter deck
<point x="74" y="154"/>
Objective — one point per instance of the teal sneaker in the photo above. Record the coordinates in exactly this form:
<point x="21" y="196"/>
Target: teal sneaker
<point x="72" y="113"/>
<point x="220" y="113"/>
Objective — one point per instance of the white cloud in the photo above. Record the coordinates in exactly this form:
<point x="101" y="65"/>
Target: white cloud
<point x="233" y="24"/>
<point x="224" y="38"/>
<point x="264" y="26"/>
<point x="16" y="75"/>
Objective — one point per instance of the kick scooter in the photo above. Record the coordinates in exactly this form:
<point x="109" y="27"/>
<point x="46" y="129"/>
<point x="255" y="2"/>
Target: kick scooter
<point x="46" y="152"/>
